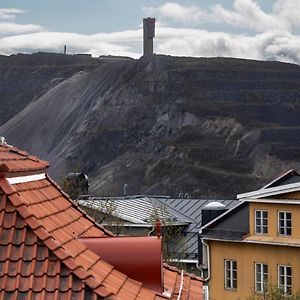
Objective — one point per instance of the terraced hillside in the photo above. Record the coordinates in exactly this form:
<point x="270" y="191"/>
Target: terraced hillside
<point x="209" y="127"/>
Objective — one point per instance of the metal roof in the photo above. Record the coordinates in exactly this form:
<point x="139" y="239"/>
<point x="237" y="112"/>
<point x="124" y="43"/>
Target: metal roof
<point x="137" y="209"/>
<point x="182" y="211"/>
<point x="192" y="208"/>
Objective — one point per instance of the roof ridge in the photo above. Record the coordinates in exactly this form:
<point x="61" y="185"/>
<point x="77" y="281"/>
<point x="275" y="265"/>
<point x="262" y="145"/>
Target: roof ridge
<point x="75" y="204"/>
<point x="25" y="154"/>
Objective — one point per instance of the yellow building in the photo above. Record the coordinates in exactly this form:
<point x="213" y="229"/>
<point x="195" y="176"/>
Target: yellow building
<point x="256" y="244"/>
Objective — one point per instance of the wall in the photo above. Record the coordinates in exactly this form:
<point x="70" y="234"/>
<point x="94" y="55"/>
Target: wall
<point x="246" y="255"/>
<point x="272" y="217"/>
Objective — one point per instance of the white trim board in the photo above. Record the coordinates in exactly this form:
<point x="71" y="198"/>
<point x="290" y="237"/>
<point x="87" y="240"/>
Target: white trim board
<point x="270" y="200"/>
<point x="282" y="189"/>
<point x="24" y="179"/>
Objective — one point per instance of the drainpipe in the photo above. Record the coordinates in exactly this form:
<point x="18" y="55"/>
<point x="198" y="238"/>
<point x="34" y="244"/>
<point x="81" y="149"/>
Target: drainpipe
<point x="208" y="265"/>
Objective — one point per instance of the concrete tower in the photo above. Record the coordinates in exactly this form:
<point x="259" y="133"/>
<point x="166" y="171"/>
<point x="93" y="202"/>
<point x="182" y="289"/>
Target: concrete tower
<point x="149" y="34"/>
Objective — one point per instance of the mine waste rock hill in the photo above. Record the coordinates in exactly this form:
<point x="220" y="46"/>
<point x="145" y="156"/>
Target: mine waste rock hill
<point x="209" y="127"/>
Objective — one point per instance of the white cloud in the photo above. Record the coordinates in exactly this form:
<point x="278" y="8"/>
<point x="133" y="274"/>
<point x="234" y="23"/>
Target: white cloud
<point x="245" y="13"/>
<point x="9" y="13"/>
<point x="177" y="11"/>
<point x="271" y="45"/>
<point x="7" y="28"/>
<point x="99" y="44"/>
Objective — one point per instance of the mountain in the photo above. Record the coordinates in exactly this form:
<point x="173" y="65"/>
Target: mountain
<point x="209" y="127"/>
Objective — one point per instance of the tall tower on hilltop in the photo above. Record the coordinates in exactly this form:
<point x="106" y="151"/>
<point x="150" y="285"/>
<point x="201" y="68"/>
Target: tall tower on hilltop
<point x="149" y="34"/>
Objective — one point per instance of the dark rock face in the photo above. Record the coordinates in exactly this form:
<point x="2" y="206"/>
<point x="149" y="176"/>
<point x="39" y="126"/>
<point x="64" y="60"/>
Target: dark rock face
<point x="163" y="125"/>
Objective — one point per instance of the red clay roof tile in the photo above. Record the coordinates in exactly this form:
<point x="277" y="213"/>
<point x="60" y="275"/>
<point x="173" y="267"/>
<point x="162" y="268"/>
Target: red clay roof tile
<point x="13" y="161"/>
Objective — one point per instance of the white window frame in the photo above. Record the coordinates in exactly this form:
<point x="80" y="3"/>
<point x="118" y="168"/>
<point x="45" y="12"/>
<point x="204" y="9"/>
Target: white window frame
<point x="231" y="278"/>
<point x="287" y="289"/>
<point x="261" y="226"/>
<point x="285" y="227"/>
<point x="261" y="279"/>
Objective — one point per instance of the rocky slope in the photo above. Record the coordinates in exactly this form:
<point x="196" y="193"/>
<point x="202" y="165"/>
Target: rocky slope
<point x="163" y="125"/>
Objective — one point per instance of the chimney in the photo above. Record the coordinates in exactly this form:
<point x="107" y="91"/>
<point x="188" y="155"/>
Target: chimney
<point x="140" y="258"/>
<point x="149" y="34"/>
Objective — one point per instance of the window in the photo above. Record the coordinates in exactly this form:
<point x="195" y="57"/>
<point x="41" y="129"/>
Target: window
<point x="285" y="279"/>
<point x="230" y="274"/>
<point x="261" y="277"/>
<point x="284" y="223"/>
<point x="261" y="221"/>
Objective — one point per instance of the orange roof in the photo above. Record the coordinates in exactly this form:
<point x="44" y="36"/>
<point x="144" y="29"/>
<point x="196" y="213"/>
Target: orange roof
<point x="41" y="253"/>
<point x="14" y="162"/>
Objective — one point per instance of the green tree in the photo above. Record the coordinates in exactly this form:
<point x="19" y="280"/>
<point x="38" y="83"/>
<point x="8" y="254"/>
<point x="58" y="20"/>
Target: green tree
<point x="274" y="293"/>
<point x="172" y="236"/>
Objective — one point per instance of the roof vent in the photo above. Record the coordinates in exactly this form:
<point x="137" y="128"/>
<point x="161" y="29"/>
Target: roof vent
<point x="214" y="206"/>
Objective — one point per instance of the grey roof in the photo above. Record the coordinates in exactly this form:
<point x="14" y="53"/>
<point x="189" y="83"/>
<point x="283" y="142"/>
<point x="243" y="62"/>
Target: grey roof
<point x="137" y="209"/>
<point x="182" y="211"/>
<point x="191" y="208"/>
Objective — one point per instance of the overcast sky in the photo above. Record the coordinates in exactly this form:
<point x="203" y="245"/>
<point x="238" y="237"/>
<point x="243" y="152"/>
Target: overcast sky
<point x="256" y="29"/>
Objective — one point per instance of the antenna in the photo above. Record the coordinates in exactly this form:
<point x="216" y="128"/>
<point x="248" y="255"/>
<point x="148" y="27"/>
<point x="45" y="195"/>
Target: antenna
<point x="125" y="189"/>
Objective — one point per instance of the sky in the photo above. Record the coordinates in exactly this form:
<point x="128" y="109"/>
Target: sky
<point x="253" y="29"/>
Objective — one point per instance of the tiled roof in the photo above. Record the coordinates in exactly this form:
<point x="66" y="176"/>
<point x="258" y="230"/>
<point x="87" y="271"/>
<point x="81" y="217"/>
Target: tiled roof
<point x="191" y="285"/>
<point x="42" y="256"/>
<point x="16" y="162"/>
<point x="28" y="269"/>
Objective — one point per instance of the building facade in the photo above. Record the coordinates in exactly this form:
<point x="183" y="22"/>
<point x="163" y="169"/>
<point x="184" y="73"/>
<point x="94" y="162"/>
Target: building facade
<point x="255" y="246"/>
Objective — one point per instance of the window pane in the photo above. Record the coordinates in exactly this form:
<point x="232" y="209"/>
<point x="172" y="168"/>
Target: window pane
<point x="258" y="286"/>
<point x="228" y="283"/>
<point x="234" y="284"/>
<point x="258" y="268"/>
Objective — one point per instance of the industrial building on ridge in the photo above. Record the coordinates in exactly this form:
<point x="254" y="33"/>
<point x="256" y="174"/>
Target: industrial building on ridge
<point x="148" y="35"/>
